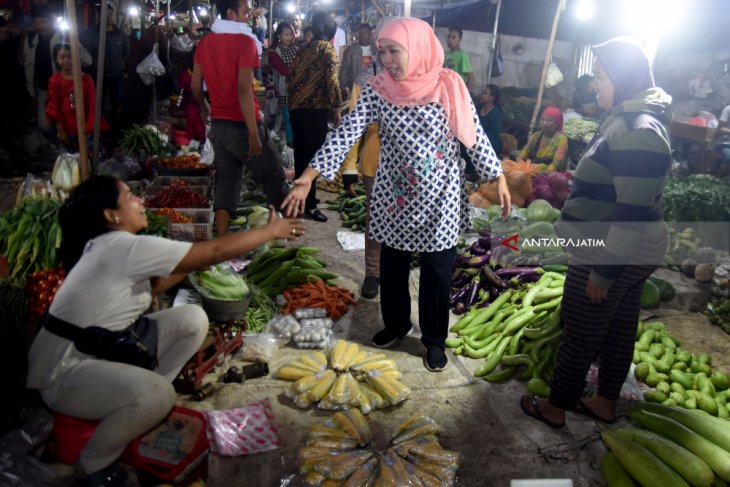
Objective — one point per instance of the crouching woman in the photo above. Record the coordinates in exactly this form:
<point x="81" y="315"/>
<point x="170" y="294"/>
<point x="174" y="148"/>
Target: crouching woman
<point x="112" y="274"/>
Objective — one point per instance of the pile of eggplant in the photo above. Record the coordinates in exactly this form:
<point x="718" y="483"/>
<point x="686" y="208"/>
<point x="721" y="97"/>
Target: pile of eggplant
<point x="485" y="269"/>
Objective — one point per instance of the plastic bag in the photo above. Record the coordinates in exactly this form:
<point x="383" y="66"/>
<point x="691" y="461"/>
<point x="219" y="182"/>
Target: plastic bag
<point x="207" y="155"/>
<point x="554" y="76"/>
<point x="314" y="333"/>
<point x="630" y="389"/>
<point x="66" y="173"/>
<point x="150" y="67"/>
<point x="283" y="326"/>
<point x="243" y="430"/>
<point x="35" y="188"/>
<point x="519" y="181"/>
<point x="182" y="43"/>
<point x="260" y="347"/>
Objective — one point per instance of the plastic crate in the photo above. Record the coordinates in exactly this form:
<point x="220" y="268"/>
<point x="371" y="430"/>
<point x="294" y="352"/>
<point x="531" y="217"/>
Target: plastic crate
<point x="200" y="230"/>
<point x="197" y="215"/>
<point x="153" y="190"/>
<point x="191" y="232"/>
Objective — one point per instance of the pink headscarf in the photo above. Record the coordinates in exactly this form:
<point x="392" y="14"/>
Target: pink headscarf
<point x="426" y="80"/>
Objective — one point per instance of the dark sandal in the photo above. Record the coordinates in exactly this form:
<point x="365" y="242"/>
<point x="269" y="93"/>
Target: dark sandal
<point x="535" y="412"/>
<point x="584" y="410"/>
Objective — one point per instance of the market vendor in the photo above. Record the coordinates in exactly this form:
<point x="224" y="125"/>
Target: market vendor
<point x="617" y="197"/>
<point x="112" y="274"/>
<point x="584" y="97"/>
<point x="549" y="145"/>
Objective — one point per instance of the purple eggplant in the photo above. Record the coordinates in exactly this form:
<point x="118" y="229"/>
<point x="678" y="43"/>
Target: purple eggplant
<point x="459" y="309"/>
<point x="524" y="278"/>
<point x="459" y="295"/>
<point x="508" y="272"/>
<point x="483" y="304"/>
<point x="478" y="261"/>
<point x="474" y="290"/>
<point x="493" y="278"/>
<point x="460" y="260"/>
<point x="496" y="254"/>
<point x="461" y="281"/>
<point x="477" y="249"/>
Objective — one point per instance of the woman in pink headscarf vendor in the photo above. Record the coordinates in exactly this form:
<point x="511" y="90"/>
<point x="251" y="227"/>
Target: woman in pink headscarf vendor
<point x="549" y="145"/>
<point x="419" y="199"/>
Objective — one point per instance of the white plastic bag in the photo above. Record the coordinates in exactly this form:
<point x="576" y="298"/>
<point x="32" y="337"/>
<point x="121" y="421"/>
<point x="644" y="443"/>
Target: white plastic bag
<point x="66" y="174"/>
<point x="150" y="67"/>
<point x="554" y="76"/>
<point x="206" y="154"/>
<point x="182" y="43"/>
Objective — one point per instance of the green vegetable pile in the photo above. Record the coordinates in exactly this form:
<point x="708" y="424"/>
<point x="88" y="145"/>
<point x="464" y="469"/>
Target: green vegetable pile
<point x="519" y="328"/>
<point x="718" y="312"/>
<point x="353" y="208"/>
<point x="261" y="310"/>
<point x="283" y="268"/>
<point x="29" y="236"/>
<point x="679" y="377"/>
<point x="141" y="141"/>
<point x="699" y="197"/>
<point x="156" y="225"/>
<point x="581" y="129"/>
<point x="221" y="284"/>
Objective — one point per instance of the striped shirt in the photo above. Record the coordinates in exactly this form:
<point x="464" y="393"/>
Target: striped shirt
<point x="620" y="179"/>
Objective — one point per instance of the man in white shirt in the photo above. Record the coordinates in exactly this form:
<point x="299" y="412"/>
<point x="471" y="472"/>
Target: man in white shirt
<point x="340" y="40"/>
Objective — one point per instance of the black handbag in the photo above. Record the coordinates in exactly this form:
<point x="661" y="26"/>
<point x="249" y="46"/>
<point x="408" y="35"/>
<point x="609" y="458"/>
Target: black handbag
<point x="135" y="345"/>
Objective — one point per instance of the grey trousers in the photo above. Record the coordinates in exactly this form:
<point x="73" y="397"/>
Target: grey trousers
<point x="128" y="400"/>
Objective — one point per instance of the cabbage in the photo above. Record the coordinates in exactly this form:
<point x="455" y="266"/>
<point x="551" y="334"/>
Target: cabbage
<point x="539" y="211"/>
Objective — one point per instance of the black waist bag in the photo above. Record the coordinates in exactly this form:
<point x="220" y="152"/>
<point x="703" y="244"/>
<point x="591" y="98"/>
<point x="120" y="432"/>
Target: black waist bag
<point x="135" y="345"/>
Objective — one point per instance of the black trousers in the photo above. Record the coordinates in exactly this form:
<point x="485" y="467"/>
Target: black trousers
<point x="608" y="329"/>
<point x="310" y="130"/>
<point x="433" y="292"/>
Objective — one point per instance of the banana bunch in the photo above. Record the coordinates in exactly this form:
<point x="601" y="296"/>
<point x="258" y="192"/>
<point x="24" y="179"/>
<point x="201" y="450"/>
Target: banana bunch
<point x="339" y="452"/>
<point x="347" y="378"/>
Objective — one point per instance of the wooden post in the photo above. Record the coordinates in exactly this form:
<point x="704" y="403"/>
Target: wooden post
<point x="492" y="53"/>
<point x="406" y="8"/>
<point x="99" y="83"/>
<point x="548" y="56"/>
<point x="73" y="34"/>
<point x="270" y="22"/>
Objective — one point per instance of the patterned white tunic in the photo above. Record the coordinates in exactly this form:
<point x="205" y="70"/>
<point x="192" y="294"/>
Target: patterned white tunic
<point x="419" y="200"/>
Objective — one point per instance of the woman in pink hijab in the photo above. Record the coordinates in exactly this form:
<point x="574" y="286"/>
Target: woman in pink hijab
<point x="419" y="200"/>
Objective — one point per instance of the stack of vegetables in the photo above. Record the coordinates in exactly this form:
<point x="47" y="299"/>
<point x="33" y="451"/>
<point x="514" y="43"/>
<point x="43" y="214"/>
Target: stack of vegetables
<point x="686" y="253"/>
<point x="718" y="312"/>
<point x="156" y="225"/>
<point x="334" y="300"/>
<point x="679" y="377"/>
<point x="143" y="141"/>
<point x="340" y="452"/>
<point x="261" y="310"/>
<point x="221" y="284"/>
<point x="42" y="287"/>
<point x="178" y="197"/>
<point x="486" y="268"/>
<point x="334" y="186"/>
<point x="580" y="131"/>
<point x="352" y="208"/>
<point x="278" y="269"/>
<point x="30" y="234"/>
<point x="519" y="328"/>
<point x="553" y="187"/>
<point x="697" y="198"/>
<point x="345" y="378"/>
<point x="677" y="448"/>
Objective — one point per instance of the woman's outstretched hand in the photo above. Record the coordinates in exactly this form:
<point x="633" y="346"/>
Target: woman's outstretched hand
<point x="284" y="227"/>
<point x="505" y="200"/>
<point x="294" y="201"/>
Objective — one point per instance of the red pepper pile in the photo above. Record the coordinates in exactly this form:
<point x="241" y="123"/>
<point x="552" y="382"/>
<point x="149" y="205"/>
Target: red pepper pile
<point x="177" y="197"/>
<point x="42" y="287"/>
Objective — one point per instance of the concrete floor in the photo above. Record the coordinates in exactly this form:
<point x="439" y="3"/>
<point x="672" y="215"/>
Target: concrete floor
<point x="483" y="421"/>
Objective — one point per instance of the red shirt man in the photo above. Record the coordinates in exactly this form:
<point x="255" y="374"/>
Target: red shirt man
<point x="226" y="59"/>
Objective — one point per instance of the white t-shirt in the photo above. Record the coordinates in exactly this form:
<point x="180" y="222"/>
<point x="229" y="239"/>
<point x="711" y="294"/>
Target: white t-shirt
<point x="110" y="287"/>
<point x="339" y="41"/>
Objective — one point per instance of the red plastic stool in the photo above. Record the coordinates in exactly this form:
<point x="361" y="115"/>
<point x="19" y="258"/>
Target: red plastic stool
<point x="71" y="435"/>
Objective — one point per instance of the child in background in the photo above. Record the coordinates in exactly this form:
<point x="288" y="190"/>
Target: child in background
<point x="457" y="59"/>
<point x="281" y="56"/>
<point x="61" y="107"/>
